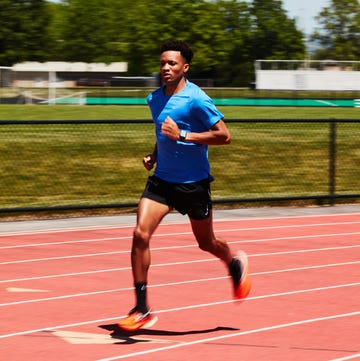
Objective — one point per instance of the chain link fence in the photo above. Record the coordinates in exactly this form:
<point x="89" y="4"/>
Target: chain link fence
<point x="65" y="165"/>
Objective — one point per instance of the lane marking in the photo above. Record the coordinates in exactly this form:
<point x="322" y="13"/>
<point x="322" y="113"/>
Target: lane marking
<point x="171" y="223"/>
<point x="213" y="259"/>
<point x="236" y="334"/>
<point x="192" y="245"/>
<point x="66" y="242"/>
<point x="65" y="229"/>
<point x="351" y="357"/>
<point x="85" y="294"/>
<point x="178" y="234"/>
<point x="86" y="338"/>
<point x="182" y="308"/>
<point x="24" y="290"/>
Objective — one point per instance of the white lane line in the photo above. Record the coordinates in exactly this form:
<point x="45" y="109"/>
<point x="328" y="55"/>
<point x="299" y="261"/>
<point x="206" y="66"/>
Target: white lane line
<point x="25" y="290"/>
<point x="236" y="334"/>
<point x="180" y="233"/>
<point x="193" y="245"/>
<point x="84" y="255"/>
<point x="212" y="279"/>
<point x="65" y="242"/>
<point x="213" y="259"/>
<point x="351" y="357"/>
<point x="182" y="308"/>
<point x="64" y="230"/>
<point x="167" y="222"/>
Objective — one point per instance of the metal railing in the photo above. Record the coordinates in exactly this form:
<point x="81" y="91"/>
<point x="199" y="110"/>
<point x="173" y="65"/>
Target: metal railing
<point x="72" y="165"/>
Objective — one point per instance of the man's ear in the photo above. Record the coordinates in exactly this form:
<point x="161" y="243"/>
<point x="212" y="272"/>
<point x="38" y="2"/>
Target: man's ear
<point x="186" y="67"/>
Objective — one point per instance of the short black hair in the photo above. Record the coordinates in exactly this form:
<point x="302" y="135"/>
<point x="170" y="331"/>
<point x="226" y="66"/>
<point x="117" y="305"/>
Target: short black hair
<point x="178" y="45"/>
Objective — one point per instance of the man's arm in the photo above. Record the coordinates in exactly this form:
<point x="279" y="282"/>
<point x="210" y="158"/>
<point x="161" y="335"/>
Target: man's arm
<point x="217" y="135"/>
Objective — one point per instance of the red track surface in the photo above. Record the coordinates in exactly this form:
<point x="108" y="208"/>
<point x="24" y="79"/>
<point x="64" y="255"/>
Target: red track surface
<point x="62" y="292"/>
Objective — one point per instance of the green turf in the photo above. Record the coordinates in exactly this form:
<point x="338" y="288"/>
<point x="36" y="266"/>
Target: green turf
<point x="70" y="112"/>
<point x="62" y="164"/>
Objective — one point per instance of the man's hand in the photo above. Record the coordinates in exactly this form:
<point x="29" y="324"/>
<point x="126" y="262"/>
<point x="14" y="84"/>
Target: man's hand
<point x="170" y="129"/>
<point x="149" y="161"/>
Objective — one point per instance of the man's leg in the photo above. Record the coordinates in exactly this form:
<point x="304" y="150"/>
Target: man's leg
<point x="204" y="234"/>
<point x="150" y="214"/>
<point x="237" y="264"/>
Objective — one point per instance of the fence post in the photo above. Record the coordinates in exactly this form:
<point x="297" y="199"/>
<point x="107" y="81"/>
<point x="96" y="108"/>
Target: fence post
<point x="332" y="161"/>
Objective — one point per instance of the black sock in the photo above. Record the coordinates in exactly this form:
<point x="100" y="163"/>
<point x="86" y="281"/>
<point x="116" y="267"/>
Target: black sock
<point x="141" y="290"/>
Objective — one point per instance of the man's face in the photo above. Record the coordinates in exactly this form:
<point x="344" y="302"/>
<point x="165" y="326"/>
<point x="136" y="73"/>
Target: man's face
<point x="172" y="66"/>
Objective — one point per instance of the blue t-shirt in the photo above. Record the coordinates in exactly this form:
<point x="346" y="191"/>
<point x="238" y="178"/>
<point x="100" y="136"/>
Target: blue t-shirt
<point x="194" y="111"/>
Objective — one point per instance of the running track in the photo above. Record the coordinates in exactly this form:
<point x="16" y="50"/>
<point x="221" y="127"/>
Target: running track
<point x="65" y="283"/>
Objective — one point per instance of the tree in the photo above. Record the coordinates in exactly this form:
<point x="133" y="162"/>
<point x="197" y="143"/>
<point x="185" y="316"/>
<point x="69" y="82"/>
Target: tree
<point x="226" y="35"/>
<point x="148" y="26"/>
<point x="339" y="31"/>
<point x="273" y="34"/>
<point x="22" y="38"/>
<point x="57" y="17"/>
<point x="88" y="31"/>
<point x="203" y="24"/>
<point x="238" y="67"/>
<point x="214" y="45"/>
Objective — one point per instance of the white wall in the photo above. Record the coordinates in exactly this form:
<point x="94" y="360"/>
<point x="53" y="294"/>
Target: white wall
<point x="308" y="80"/>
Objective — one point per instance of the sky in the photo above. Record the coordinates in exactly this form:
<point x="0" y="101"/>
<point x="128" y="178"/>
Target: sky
<point x="304" y="11"/>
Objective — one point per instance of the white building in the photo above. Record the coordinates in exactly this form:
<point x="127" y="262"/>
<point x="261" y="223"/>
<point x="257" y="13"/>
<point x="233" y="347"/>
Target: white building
<point x="62" y="74"/>
<point x="307" y="75"/>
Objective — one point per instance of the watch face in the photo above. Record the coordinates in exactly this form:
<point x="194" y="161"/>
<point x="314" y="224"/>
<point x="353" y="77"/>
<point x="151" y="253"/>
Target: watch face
<point x="182" y="135"/>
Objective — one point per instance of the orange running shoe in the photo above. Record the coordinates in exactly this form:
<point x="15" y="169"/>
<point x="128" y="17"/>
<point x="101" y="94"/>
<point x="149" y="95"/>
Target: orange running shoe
<point x="136" y="320"/>
<point x="239" y="272"/>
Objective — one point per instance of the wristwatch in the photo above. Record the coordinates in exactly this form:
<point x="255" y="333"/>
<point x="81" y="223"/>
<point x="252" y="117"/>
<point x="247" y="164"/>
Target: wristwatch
<point x="182" y="135"/>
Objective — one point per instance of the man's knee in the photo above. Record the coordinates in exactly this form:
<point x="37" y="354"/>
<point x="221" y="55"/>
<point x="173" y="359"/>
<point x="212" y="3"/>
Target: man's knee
<point x="206" y="245"/>
<point x="140" y="239"/>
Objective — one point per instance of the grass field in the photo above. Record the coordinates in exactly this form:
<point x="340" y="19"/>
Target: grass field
<point x="69" y="112"/>
<point x="85" y="164"/>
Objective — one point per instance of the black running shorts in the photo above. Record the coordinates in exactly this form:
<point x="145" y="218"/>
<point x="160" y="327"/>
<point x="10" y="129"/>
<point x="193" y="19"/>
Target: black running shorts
<point x="193" y="199"/>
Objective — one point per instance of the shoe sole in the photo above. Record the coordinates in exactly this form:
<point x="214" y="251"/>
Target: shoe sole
<point x="150" y="323"/>
<point x="147" y="324"/>
<point x="245" y="282"/>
